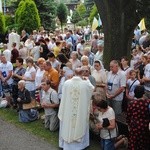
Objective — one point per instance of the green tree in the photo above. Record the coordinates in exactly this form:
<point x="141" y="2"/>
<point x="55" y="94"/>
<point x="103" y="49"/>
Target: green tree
<point x="81" y="10"/>
<point x="120" y="17"/>
<point x="10" y="22"/>
<point x="75" y="17"/>
<point x="2" y="23"/>
<point x="28" y="17"/>
<point x="147" y="23"/>
<point x="62" y="12"/>
<point x="18" y="11"/>
<point x="47" y="11"/>
<point x="82" y="23"/>
<point x="93" y="13"/>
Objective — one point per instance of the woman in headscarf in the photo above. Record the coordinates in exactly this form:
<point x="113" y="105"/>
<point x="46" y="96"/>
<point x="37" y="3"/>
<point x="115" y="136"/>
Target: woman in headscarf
<point x="100" y="76"/>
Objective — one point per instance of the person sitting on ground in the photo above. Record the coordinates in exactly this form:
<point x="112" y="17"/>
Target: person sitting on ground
<point x="25" y="115"/>
<point x="119" y="142"/>
<point x="50" y="103"/>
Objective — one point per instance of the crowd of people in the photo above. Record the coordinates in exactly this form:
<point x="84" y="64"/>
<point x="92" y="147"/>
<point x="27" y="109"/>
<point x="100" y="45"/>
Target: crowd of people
<point x="65" y="74"/>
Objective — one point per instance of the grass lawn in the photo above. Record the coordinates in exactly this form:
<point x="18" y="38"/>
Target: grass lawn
<point x="37" y="128"/>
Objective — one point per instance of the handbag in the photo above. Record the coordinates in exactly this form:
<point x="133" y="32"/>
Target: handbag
<point x="31" y="105"/>
<point x="106" y="122"/>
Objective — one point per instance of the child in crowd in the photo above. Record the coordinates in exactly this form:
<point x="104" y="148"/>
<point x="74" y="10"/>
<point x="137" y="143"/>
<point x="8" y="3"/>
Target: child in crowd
<point x="132" y="82"/>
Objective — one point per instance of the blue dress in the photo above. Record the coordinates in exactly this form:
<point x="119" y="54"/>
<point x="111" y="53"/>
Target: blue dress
<point x="29" y="114"/>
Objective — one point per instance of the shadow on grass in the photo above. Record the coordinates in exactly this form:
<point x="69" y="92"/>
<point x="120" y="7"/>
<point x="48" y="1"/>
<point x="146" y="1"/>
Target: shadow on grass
<point x="37" y="128"/>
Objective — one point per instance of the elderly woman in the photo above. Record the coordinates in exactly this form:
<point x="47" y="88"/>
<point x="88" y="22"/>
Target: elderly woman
<point x="74" y="60"/>
<point x="99" y="53"/>
<point x="24" y="97"/>
<point x="85" y="61"/>
<point x="138" y="118"/>
<point x="29" y="76"/>
<point x="100" y="76"/>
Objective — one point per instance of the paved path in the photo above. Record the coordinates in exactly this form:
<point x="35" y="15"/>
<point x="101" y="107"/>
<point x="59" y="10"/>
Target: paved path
<point x="13" y="138"/>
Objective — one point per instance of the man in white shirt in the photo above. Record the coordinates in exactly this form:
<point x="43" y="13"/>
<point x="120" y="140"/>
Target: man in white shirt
<point x="116" y="83"/>
<point x="6" y="70"/>
<point x="50" y="103"/>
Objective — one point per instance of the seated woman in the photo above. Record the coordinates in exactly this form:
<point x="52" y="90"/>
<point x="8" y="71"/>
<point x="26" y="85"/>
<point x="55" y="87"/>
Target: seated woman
<point x="24" y="97"/>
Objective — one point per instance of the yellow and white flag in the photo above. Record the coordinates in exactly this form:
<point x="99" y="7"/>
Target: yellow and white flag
<point x="142" y="25"/>
<point x="94" y="24"/>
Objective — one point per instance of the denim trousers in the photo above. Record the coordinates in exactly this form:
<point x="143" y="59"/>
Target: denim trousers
<point x="107" y="144"/>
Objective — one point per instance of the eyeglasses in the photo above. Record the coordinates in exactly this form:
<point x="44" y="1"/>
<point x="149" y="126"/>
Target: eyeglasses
<point x="85" y="70"/>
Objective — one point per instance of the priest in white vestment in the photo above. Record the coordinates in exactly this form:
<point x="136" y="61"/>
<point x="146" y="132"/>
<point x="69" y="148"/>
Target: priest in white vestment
<point x="74" y="113"/>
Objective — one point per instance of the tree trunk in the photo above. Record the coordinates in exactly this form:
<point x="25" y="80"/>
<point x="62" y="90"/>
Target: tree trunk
<point x="119" y="21"/>
<point x="61" y="26"/>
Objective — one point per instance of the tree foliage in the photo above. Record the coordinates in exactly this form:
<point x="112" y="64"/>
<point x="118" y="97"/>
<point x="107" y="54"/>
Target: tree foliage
<point x="75" y="17"/>
<point x="81" y="10"/>
<point x="82" y="23"/>
<point x="2" y="23"/>
<point x="28" y="17"/>
<point x="48" y="12"/>
<point x="10" y="22"/>
<point x="120" y="17"/>
<point x="62" y="12"/>
<point x="93" y="13"/>
<point x="18" y="11"/>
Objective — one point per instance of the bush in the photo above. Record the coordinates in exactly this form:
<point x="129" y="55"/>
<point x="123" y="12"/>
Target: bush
<point x="82" y="23"/>
<point x="9" y="22"/>
<point x="62" y="13"/>
<point x="2" y="23"/>
<point x="27" y="16"/>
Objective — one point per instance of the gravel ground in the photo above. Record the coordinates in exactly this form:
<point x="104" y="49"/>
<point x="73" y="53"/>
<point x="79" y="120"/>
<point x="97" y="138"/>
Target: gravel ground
<point x="13" y="138"/>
